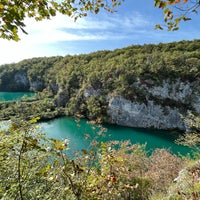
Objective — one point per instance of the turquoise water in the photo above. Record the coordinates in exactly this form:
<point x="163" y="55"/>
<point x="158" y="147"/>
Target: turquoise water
<point x="14" y="96"/>
<point x="75" y="129"/>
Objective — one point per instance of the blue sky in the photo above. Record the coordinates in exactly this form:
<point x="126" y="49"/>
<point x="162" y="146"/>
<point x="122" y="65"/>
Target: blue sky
<point x="133" y="23"/>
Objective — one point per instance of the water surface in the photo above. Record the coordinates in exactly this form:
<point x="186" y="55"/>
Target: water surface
<point x="14" y="96"/>
<point x="75" y="130"/>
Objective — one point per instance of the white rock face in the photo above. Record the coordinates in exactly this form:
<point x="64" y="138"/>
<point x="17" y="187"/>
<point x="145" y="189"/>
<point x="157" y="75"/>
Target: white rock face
<point x="134" y="114"/>
<point x="152" y="114"/>
<point x="21" y="78"/>
<point x="181" y="92"/>
<point x="91" y="92"/>
<point x="36" y="85"/>
<point x="186" y="180"/>
<point x="178" y="91"/>
<point x="196" y="103"/>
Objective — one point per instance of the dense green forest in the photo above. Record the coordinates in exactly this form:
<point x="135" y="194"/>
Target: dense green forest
<point x="107" y="69"/>
<point x="61" y="82"/>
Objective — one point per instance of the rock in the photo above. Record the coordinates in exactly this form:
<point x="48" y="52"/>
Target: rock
<point x="91" y="92"/>
<point x="21" y="78"/>
<point x="21" y="82"/>
<point x="138" y="114"/>
<point x="62" y="97"/>
<point x="36" y="85"/>
<point x="186" y="180"/>
<point x="162" y="108"/>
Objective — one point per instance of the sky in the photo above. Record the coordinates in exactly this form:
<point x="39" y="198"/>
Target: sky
<point x="132" y="23"/>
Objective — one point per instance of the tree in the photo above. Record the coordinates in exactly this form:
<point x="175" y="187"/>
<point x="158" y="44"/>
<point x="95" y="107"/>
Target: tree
<point x="14" y="12"/>
<point x="33" y="166"/>
<point x="192" y="137"/>
<point x="171" y="17"/>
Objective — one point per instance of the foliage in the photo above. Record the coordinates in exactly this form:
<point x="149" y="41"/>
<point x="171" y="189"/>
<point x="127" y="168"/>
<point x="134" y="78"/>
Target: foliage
<point x="34" y="167"/>
<point x="187" y="184"/>
<point x="14" y="12"/>
<point x="31" y="108"/>
<point x="84" y="83"/>
<point x="192" y="137"/>
<point x="175" y="11"/>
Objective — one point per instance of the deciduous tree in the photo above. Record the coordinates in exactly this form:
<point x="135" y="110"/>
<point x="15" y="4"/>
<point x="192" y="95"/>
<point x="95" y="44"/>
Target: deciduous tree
<point x="175" y="11"/>
<point x="14" y="12"/>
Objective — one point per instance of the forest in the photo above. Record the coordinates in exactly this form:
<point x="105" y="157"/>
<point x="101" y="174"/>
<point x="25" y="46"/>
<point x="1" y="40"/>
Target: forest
<point x="61" y="82"/>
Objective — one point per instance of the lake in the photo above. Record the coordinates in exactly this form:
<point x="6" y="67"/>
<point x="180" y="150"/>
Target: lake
<point x="75" y="130"/>
<point x="14" y="96"/>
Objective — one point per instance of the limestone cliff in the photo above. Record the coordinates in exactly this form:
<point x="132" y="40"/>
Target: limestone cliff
<point x="163" y="108"/>
<point x="150" y="115"/>
<point x="162" y="105"/>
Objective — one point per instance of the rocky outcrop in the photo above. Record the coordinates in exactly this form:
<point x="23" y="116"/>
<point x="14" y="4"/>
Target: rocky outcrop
<point x="163" y="107"/>
<point x="62" y="97"/>
<point x="36" y="85"/>
<point x="187" y="183"/>
<point x="53" y="87"/>
<point x="178" y="91"/>
<point x="20" y="81"/>
<point x="21" y="78"/>
<point x="91" y="92"/>
<point x="135" y="114"/>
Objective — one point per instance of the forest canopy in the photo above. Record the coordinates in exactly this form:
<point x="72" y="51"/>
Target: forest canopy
<point x="114" y="73"/>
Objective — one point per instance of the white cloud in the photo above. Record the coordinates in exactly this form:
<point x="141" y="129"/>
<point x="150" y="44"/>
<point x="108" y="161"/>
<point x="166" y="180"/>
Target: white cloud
<point x="62" y="29"/>
<point x="131" y="21"/>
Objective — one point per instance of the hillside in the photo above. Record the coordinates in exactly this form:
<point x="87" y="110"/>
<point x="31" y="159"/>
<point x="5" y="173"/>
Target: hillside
<point x="149" y="86"/>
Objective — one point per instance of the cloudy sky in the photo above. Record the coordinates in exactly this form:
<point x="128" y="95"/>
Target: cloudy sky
<point x="133" y="23"/>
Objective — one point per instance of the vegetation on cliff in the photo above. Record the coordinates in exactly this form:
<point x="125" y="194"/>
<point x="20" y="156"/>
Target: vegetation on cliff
<point x="102" y="74"/>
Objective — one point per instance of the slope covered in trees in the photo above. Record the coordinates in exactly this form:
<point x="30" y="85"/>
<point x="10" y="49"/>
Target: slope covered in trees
<point x="83" y="83"/>
<point x="174" y="60"/>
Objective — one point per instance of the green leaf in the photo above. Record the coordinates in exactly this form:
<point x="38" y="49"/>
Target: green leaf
<point x="157" y="26"/>
<point x="34" y="120"/>
<point x="186" y="18"/>
<point x="175" y="29"/>
<point x="96" y="10"/>
<point x="59" y="145"/>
